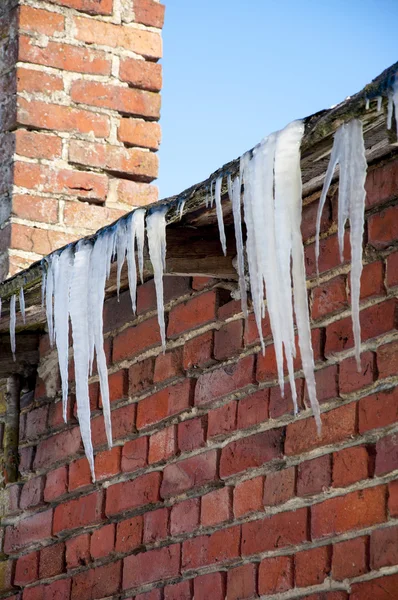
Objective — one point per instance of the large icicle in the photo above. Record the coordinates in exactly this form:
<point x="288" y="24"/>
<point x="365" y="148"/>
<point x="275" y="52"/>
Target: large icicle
<point x="135" y="231"/>
<point x="220" y="217"/>
<point x="49" y="291"/>
<point x="79" y="312"/>
<point x="349" y="151"/>
<point x="22" y="304"/>
<point x="121" y="249"/>
<point x="156" y="232"/>
<point x="62" y="270"/>
<point x="12" y="324"/>
<point x="234" y="188"/>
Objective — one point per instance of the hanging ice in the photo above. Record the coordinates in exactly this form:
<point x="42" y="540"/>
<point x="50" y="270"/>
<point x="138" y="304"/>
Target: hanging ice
<point x="220" y="218"/>
<point x="180" y="208"/>
<point x="234" y="188"/>
<point x="49" y="292"/>
<point x="156" y="232"/>
<point x="62" y="270"/>
<point x="22" y="304"/>
<point x="135" y="231"/>
<point x="12" y="324"/>
<point x="349" y="152"/>
<point x="393" y="104"/>
<point x="379" y="103"/>
<point x="79" y="313"/>
<point x="121" y="249"/>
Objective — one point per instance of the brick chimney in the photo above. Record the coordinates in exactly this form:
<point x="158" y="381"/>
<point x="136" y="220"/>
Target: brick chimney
<point x="79" y="105"/>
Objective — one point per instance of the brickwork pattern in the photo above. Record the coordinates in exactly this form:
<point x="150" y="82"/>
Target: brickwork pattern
<point x="214" y="489"/>
<point x="79" y="105"/>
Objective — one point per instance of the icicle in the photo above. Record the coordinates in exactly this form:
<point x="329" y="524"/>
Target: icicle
<point x="97" y="279"/>
<point x="349" y="151"/>
<point x="379" y="103"/>
<point x="135" y="229"/>
<point x="62" y="269"/>
<point x="390" y="107"/>
<point x="22" y="304"/>
<point x="43" y="283"/>
<point x="49" y="300"/>
<point x="111" y="232"/>
<point x="79" y="313"/>
<point x="234" y="195"/>
<point x="12" y="324"/>
<point x="181" y="205"/>
<point x="220" y="218"/>
<point x="156" y="231"/>
<point x="121" y="248"/>
<point x="395" y="100"/>
<point x="367" y="104"/>
<point x="211" y="200"/>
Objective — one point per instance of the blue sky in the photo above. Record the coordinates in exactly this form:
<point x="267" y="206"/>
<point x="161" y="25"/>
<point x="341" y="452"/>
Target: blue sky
<point x="235" y="70"/>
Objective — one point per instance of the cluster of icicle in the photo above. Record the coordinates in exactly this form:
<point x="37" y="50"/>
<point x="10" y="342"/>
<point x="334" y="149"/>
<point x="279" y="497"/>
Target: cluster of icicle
<point x="74" y="289"/>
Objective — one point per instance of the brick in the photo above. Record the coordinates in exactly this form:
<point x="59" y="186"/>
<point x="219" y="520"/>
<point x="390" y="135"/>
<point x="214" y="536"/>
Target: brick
<point x="198" y="352"/>
<point x="386" y="359"/>
<point x="155" y="525"/>
<point x="200" y="283"/>
<point x="327" y="387"/>
<point x="140" y="41"/>
<point x="31" y="529"/>
<point x="134" y="193"/>
<point x="381" y="184"/>
<point x="280" y="405"/>
<point x="178" y="591"/>
<point x="162" y="445"/>
<point x="40" y="241"/>
<point x="94" y="7"/>
<point x="216" y="507"/>
<point x="143" y="134"/>
<point x="350" y="465"/>
<point x="79" y="474"/>
<point x="102" y="541"/>
<point x="378" y="410"/>
<point x="35" y="208"/>
<point x="37" y="145"/>
<point x="141" y="376"/>
<point x="128" y="495"/>
<point x="372" y="281"/>
<point x="337" y="425"/>
<point x="102" y="581"/>
<point x="89" y="216"/>
<point x="27" y="569"/>
<point x="26" y="460"/>
<point x="220" y="382"/>
<point x="383" y="228"/>
<point x="279" y="487"/>
<point x="384" y="548"/>
<point x="314" y="476"/>
<point x="149" y="12"/>
<point x="275" y="575"/>
<point x="251" y="335"/>
<point x="375" y="320"/>
<point x="122" y="99"/>
<point x="32" y="80"/>
<point x="329" y="298"/>
<point x="393" y="498"/>
<point x="211" y="586"/>
<point x="189" y="474"/>
<point x="329" y="254"/>
<point x="53" y="591"/>
<point x="192" y="434"/>
<point x="134" y="455"/>
<point x="309" y="217"/>
<point x="184" y="516"/>
<point x="386" y="454"/>
<point x="78" y="551"/>
<point x="32" y="493"/>
<point x="135" y="340"/>
<point x="165" y="403"/>
<point x="36" y="422"/>
<point x="251" y="452"/>
<point x="222" y="420"/>
<point x="193" y="313"/>
<point x="248" y="496"/>
<point x="64" y="56"/>
<point x="123" y="424"/>
<point x="85" y="186"/>
<point x="381" y="588"/>
<point x="52" y="561"/>
<point x="241" y="582"/>
<point x="392" y="270"/>
<point x="117" y="159"/>
<point x="276" y="531"/>
<point x="266" y="365"/>
<point x="349" y="378"/>
<point x="141" y="74"/>
<point x="129" y="534"/>
<point x="41" y="21"/>
<point x="107" y="463"/>
<point x="356" y="510"/>
<point x="80" y="512"/>
<point x="312" y="566"/>
<point x="168" y="366"/>
<point x="148" y="567"/>
<point x="228" y="340"/>
<point x="155" y="594"/>
<point x="349" y="558"/>
<point x="219" y="547"/>
<point x="253" y="409"/>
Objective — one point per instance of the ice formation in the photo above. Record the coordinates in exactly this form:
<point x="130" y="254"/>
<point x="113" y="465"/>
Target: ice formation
<point x="379" y="103"/>
<point x="234" y="188"/>
<point x="220" y="218"/>
<point x="135" y="232"/>
<point x="22" y="304"/>
<point x="12" y="324"/>
<point x="349" y="152"/>
<point x="156" y="232"/>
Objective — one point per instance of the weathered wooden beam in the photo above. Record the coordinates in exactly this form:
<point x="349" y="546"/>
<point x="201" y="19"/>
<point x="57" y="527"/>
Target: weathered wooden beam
<point x="26" y="355"/>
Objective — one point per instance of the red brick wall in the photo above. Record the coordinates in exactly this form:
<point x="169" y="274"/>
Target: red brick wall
<point x="213" y="488"/>
<point x="78" y="123"/>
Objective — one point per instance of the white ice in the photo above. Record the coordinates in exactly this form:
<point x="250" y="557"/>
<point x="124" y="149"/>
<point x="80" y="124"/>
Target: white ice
<point x="349" y="151"/>
<point x="367" y="102"/>
<point x="234" y="188"/>
<point x="379" y="103"/>
<point x="49" y="291"/>
<point x="121" y="249"/>
<point x="22" y="304"/>
<point x="12" y="324"/>
<point x="135" y="231"/>
<point x="220" y="218"/>
<point x="156" y="232"/>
